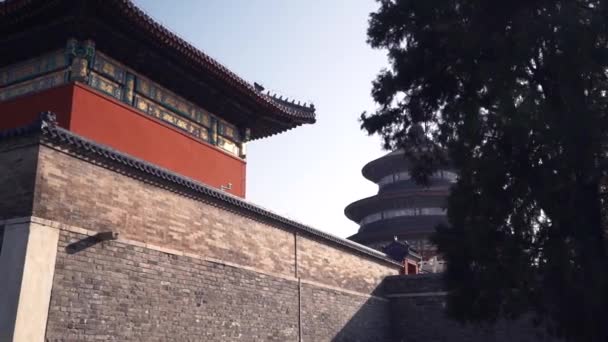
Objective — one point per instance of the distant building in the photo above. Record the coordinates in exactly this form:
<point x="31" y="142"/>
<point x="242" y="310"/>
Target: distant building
<point x="401" y="209"/>
<point x="122" y="211"/>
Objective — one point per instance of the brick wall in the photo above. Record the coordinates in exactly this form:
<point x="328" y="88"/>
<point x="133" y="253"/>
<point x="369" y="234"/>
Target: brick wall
<point x="329" y="315"/>
<point x="417" y="312"/>
<point x="17" y="174"/>
<point x="185" y="267"/>
<point x="113" y="291"/>
<point x="86" y="195"/>
<point x="190" y="268"/>
<point x="323" y="263"/>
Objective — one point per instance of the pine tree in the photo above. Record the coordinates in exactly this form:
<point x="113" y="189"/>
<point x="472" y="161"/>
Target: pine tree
<point x="512" y="94"/>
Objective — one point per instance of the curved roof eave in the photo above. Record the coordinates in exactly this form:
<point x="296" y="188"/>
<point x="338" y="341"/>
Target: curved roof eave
<point x="358" y="209"/>
<point x="291" y="114"/>
<point x="369" y="171"/>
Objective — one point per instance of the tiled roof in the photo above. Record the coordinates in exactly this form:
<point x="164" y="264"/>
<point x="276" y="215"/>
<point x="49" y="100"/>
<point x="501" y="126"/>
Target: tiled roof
<point x="287" y="110"/>
<point x="295" y="109"/>
<point x="46" y="126"/>
<point x="213" y="66"/>
<point x="369" y="205"/>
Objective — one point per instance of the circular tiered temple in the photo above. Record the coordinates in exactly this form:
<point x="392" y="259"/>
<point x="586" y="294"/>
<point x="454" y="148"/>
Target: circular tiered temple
<point x="401" y="209"/>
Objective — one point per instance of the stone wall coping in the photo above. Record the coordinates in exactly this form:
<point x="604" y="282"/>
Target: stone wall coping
<point x="55" y="137"/>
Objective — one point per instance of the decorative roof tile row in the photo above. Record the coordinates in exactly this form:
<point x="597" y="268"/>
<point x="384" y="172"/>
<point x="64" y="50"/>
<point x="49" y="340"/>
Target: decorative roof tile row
<point x="296" y="109"/>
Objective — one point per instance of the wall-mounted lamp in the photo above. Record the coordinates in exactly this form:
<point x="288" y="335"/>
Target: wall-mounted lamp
<point x="105" y="236"/>
<point x="226" y="187"/>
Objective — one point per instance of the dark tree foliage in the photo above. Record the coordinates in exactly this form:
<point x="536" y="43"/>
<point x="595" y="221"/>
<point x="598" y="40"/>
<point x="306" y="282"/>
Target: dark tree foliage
<point x="511" y="94"/>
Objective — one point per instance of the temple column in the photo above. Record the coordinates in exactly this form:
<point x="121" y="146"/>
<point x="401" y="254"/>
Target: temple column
<point x="27" y="266"/>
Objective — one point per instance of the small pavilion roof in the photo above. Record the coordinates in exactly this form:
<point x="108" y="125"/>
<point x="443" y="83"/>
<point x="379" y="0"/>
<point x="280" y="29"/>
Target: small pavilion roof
<point x="400" y="250"/>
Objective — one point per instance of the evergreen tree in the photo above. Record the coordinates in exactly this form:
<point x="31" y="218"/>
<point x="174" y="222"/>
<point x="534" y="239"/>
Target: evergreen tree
<point x="511" y="94"/>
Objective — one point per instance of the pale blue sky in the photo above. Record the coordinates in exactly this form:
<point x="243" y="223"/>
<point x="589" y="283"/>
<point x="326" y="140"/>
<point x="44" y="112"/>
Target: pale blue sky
<point x="313" y="50"/>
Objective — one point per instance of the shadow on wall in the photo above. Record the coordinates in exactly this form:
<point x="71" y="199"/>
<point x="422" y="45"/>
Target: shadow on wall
<point x="417" y="312"/>
<point x="90" y="241"/>
<point x="369" y="322"/>
<point x="1" y="237"/>
<point x="218" y="301"/>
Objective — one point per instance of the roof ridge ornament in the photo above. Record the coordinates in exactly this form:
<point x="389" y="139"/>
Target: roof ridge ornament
<point x="258" y="87"/>
<point x="309" y="107"/>
<point x="47" y="119"/>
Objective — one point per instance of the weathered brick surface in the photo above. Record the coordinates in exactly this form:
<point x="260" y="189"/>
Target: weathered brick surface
<point x="329" y="315"/>
<point x="115" y="292"/>
<point x="86" y="195"/>
<point x="422" y="318"/>
<point x="83" y="194"/>
<point x="18" y="161"/>
<point x="319" y="262"/>
<point x="119" y="291"/>
<point x="112" y="291"/>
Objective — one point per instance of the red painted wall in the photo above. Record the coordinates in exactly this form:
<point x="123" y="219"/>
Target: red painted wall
<point x="25" y="109"/>
<point x="100" y="118"/>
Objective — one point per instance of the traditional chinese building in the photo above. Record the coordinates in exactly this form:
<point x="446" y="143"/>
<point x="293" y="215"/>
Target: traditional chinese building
<point x="113" y="75"/>
<point x="401" y="209"/>
<point x="121" y="209"/>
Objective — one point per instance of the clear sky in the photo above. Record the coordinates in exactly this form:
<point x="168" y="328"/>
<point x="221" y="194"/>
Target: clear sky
<point x="311" y="50"/>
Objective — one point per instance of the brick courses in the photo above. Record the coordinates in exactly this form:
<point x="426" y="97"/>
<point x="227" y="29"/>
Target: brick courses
<point x="18" y="159"/>
<point x="86" y="195"/>
<point x="417" y="312"/>
<point x="191" y="268"/>
<point x="96" y="198"/>
<point x="114" y="291"/>
<point x="329" y="315"/>
<point x="186" y="267"/>
<point x="322" y="263"/>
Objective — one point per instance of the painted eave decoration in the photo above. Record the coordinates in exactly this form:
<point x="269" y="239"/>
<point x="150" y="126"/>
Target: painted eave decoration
<point x="125" y="32"/>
